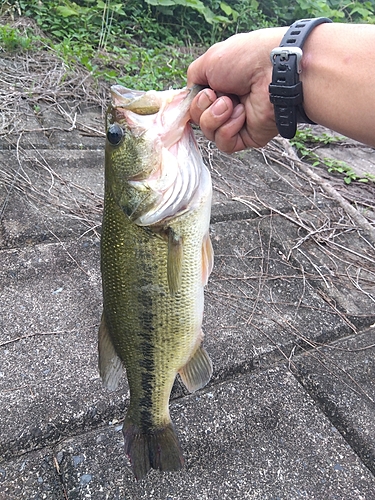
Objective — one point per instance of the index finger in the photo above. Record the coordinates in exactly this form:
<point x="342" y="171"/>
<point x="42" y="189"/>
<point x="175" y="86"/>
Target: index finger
<point x="196" y="73"/>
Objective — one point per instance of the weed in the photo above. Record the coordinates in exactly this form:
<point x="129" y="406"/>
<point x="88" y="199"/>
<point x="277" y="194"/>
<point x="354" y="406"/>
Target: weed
<point x="12" y="40"/>
<point x="341" y="167"/>
<point x="306" y="140"/>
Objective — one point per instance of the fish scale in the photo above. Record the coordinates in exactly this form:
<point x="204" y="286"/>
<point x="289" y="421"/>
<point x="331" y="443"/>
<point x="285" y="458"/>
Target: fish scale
<point x="153" y="275"/>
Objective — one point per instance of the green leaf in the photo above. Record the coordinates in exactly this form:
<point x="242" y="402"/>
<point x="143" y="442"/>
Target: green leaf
<point x="111" y="73"/>
<point x="66" y="11"/>
<point x="227" y="9"/>
<point x="164" y="3"/>
<point x="361" y="11"/>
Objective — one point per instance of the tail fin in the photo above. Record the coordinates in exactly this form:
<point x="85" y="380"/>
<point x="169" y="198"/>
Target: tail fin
<point x="156" y="449"/>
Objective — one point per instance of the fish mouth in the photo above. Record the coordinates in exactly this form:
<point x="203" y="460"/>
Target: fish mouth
<point x="165" y="112"/>
<point x="152" y="101"/>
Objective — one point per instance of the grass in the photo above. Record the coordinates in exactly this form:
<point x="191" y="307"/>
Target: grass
<point x="12" y="40"/>
<point x="134" y="65"/>
<point x="144" y="44"/>
<point x="142" y="68"/>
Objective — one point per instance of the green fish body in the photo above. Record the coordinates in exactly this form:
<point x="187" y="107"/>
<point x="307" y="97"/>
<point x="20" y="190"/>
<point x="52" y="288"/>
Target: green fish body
<point x="156" y="257"/>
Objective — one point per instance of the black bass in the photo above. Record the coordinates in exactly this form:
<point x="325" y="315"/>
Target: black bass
<point x="156" y="257"/>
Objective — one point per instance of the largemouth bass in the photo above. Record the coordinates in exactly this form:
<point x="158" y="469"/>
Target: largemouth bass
<point x="156" y="257"/>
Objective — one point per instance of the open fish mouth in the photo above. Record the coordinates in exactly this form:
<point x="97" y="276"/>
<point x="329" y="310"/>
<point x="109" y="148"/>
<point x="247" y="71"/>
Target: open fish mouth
<point x="151" y="101"/>
<point x="161" y="119"/>
<point x="169" y="110"/>
<point x="166" y="111"/>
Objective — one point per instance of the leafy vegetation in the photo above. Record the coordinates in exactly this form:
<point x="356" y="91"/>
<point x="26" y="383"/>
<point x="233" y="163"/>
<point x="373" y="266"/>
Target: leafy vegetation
<point x="281" y="11"/>
<point x="149" y="43"/>
<point x="306" y="140"/>
<point x="12" y="39"/>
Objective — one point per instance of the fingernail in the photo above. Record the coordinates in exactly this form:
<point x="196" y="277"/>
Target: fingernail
<point x="204" y="101"/>
<point x="219" y="107"/>
<point x="238" y="110"/>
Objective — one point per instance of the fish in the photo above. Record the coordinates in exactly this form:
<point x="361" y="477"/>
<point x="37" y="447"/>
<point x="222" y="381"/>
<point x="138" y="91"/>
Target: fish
<point x="156" y="258"/>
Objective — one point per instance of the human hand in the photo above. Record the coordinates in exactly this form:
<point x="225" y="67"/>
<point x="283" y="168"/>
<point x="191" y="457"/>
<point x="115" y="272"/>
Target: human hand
<point x="236" y="112"/>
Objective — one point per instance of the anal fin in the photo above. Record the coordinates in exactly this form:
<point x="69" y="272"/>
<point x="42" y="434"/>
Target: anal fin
<point x="197" y="371"/>
<point x="110" y="365"/>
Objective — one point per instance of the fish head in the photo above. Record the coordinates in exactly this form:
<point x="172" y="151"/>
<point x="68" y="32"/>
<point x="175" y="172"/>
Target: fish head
<point x="152" y="161"/>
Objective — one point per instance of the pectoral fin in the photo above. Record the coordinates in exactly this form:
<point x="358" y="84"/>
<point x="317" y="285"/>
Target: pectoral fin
<point x="110" y="365"/>
<point x="207" y="258"/>
<point x="174" y="261"/>
<point x="197" y="371"/>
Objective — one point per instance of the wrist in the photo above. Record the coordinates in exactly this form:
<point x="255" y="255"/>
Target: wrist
<point x="318" y="74"/>
<point x="286" y="93"/>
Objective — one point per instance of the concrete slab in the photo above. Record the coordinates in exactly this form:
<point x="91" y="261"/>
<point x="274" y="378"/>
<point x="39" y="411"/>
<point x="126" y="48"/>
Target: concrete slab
<point x="259" y="306"/>
<point x="340" y="378"/>
<point x="48" y="343"/>
<point x="26" y="129"/>
<point x="47" y="193"/>
<point x="82" y="134"/>
<point x="31" y="477"/>
<point x="334" y="258"/>
<point x="242" y="439"/>
<point x="246" y="187"/>
<point x="280" y="287"/>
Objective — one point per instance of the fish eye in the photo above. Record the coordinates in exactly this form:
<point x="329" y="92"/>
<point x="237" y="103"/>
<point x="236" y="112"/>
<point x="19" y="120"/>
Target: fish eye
<point x="114" y="134"/>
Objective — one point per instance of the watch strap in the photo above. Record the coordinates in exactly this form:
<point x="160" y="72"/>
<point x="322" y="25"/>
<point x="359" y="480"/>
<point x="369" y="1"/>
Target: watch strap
<point x="286" y="89"/>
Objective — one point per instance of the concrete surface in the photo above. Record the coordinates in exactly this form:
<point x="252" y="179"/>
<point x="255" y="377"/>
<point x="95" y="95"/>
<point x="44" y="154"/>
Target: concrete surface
<point x="289" y="324"/>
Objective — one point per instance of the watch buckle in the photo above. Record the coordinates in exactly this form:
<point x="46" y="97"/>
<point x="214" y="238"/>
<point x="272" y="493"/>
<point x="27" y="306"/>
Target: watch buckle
<point x="285" y="52"/>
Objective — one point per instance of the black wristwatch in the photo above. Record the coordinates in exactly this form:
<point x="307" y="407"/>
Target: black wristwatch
<point x="286" y="89"/>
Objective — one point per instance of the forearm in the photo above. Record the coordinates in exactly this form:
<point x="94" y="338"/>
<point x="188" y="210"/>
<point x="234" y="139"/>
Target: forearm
<point x="338" y="78"/>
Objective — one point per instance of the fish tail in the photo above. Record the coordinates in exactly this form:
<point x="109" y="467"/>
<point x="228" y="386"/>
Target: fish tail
<point x="155" y="449"/>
